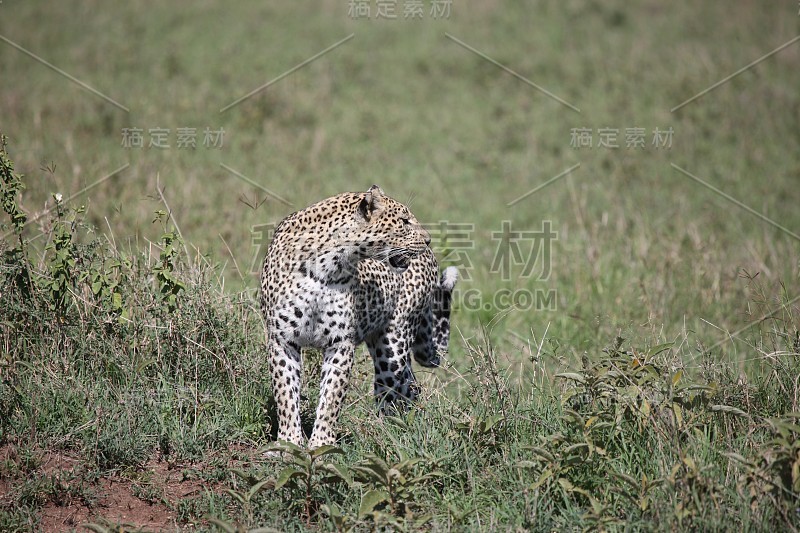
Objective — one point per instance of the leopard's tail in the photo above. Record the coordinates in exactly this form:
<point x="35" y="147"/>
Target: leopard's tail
<point x="442" y="298"/>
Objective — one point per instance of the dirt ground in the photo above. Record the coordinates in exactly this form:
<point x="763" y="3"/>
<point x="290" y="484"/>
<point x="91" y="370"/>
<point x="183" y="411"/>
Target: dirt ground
<point x="70" y="496"/>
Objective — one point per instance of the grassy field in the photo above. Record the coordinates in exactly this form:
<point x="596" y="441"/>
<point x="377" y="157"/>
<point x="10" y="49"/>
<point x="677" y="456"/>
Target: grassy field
<point x="637" y="369"/>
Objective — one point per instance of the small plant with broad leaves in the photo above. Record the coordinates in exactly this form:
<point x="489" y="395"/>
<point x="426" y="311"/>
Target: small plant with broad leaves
<point x="774" y="475"/>
<point x="68" y="268"/>
<point x="11" y="187"/>
<point x="482" y="428"/>
<point x="62" y="267"/>
<point x="394" y="485"/>
<point x="700" y="491"/>
<point x="307" y="470"/>
<point x="104" y="276"/>
<point x="169" y="285"/>
<point x="572" y="464"/>
<point x="245" y="497"/>
<point x="782" y="459"/>
<point x="640" y="492"/>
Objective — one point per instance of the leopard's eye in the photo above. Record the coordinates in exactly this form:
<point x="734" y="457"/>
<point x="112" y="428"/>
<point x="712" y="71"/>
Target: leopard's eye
<point x="405" y="221"/>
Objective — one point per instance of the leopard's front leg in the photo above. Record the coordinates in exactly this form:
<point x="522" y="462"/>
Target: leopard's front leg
<point x="286" y="369"/>
<point x="336" y="365"/>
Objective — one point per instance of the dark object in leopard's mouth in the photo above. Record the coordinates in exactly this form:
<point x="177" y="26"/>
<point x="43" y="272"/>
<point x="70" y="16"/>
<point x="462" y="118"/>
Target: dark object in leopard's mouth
<point x="399" y="261"/>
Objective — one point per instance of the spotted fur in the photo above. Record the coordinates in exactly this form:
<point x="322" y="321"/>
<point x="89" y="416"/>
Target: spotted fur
<point x="356" y="267"/>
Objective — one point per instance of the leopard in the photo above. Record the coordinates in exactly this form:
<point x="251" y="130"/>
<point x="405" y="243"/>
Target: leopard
<point x="353" y="268"/>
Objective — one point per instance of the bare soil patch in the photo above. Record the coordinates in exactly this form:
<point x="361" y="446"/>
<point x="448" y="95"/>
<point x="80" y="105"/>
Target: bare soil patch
<point x="70" y="496"/>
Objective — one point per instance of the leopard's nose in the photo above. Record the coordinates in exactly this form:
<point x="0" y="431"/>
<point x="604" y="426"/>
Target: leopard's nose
<point x="425" y="235"/>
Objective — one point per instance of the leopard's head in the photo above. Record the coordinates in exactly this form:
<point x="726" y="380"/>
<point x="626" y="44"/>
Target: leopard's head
<point x="388" y="231"/>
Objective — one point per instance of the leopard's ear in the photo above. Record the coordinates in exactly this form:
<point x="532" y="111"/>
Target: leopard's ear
<point x="372" y="202"/>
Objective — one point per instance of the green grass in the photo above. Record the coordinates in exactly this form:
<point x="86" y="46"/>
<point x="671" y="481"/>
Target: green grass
<point x="644" y="252"/>
<point x="404" y="106"/>
<point x="630" y="437"/>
